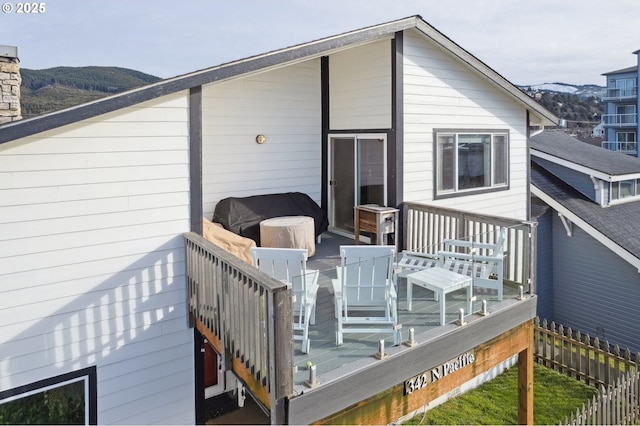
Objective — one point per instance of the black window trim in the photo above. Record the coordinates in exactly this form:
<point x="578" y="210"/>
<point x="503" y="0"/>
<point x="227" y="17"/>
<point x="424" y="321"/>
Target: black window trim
<point x="92" y="397"/>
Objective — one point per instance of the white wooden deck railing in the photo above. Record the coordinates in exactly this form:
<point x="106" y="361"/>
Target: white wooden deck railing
<point x="250" y="314"/>
<point x="427" y="227"/>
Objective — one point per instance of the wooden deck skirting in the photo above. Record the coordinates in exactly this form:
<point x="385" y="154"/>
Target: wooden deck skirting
<point x="245" y="314"/>
<point x="393" y="402"/>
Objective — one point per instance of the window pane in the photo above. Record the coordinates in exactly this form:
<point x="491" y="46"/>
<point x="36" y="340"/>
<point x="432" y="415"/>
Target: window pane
<point x="500" y="165"/>
<point x="471" y="161"/>
<point x="61" y="405"/>
<point x="627" y="189"/>
<point x="446" y="163"/>
<point x="474" y="159"/>
<point x="627" y="114"/>
<point x="371" y="175"/>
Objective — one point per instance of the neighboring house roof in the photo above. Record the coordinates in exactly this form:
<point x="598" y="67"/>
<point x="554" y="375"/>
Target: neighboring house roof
<point x="306" y="51"/>
<point x="623" y="70"/>
<point x="611" y="226"/>
<point x="538" y="207"/>
<point x="561" y="148"/>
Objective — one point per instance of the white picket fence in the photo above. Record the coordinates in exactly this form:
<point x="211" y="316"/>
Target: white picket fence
<point x="615" y="405"/>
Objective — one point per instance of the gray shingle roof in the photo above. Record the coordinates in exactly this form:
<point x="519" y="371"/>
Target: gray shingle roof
<point x="538" y="207"/>
<point x="564" y="147"/>
<point x="618" y="223"/>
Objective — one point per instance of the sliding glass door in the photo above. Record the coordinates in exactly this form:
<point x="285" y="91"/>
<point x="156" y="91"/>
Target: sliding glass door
<point x="357" y="175"/>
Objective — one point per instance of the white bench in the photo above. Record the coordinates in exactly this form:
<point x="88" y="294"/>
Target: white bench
<point x="486" y="269"/>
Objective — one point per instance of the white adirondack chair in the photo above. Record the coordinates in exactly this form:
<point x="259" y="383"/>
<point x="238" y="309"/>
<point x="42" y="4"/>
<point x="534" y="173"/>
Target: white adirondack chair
<point x="365" y="283"/>
<point x="290" y="265"/>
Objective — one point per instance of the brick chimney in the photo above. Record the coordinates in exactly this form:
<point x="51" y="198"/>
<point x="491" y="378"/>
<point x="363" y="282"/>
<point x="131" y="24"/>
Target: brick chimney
<point x="9" y="85"/>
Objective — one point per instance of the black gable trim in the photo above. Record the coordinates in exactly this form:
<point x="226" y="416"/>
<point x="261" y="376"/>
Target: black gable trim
<point x="24" y="128"/>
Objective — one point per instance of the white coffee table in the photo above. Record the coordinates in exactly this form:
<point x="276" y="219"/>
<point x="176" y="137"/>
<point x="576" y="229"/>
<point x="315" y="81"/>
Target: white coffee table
<point x="441" y="281"/>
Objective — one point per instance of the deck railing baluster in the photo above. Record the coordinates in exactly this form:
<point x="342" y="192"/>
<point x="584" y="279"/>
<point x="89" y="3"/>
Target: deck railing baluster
<point x="426" y="228"/>
<point x="245" y="310"/>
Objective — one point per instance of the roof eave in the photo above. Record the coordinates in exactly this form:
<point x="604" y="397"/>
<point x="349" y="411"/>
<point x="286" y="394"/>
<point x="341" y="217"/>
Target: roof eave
<point x="571" y="165"/>
<point x="28" y="127"/>
<point x="627" y="70"/>
<point x="582" y="224"/>
<point x="24" y="128"/>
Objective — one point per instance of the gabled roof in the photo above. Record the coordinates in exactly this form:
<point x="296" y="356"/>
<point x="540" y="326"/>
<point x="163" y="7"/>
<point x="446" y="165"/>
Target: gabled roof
<point x="563" y="149"/>
<point x="290" y="55"/>
<point x="612" y="226"/>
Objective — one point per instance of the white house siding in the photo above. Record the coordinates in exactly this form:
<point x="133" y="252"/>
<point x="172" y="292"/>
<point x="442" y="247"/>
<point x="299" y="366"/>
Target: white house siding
<point x="92" y="260"/>
<point x="440" y="92"/>
<point x="360" y="87"/>
<point x="283" y="105"/>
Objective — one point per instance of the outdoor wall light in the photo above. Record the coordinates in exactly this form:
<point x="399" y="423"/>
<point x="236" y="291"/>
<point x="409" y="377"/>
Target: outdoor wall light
<point x="261" y="139"/>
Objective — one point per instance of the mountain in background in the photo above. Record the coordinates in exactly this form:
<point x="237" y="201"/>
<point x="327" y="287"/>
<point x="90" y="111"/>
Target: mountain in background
<point x="585" y="91"/>
<point x="580" y="105"/>
<point x="52" y="89"/>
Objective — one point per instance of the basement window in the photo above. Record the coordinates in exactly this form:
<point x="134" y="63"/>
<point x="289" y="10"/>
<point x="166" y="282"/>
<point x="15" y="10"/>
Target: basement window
<point x="66" y="399"/>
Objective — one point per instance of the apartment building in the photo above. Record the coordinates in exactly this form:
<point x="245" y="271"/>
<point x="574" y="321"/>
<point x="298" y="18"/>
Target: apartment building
<point x="620" y="119"/>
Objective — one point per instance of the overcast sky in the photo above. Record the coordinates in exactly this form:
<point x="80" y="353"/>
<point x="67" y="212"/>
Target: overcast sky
<point x="528" y="42"/>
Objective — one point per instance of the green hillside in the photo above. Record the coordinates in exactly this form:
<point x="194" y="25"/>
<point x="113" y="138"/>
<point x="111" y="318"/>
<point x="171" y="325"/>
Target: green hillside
<point x="52" y="89"/>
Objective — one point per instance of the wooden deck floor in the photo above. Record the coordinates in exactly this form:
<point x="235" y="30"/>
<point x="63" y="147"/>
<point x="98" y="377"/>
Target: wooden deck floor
<point x="359" y="349"/>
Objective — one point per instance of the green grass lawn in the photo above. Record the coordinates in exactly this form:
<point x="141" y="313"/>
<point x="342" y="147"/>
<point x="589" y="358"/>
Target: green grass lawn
<point x="496" y="402"/>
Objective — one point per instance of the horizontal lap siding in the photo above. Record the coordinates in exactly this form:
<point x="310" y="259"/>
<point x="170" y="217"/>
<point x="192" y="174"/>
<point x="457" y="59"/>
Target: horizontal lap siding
<point x="442" y="93"/>
<point x="284" y="105"/>
<point x="594" y="290"/>
<point x="578" y="180"/>
<point x="544" y="267"/>
<point x="92" y="266"/>
<point x="360" y="87"/>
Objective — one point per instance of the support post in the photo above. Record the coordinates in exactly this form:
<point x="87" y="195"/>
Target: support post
<point x="525" y="384"/>
<point x="281" y="346"/>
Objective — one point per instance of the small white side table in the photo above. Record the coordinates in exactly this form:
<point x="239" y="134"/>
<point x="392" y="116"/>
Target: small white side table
<point x="441" y="281"/>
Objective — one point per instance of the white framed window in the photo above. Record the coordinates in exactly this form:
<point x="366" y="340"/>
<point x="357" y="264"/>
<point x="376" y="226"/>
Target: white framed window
<point x="624" y="189"/>
<point x="626" y="87"/>
<point x="625" y="136"/>
<point x="470" y="161"/>
<point x="626" y="114"/>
